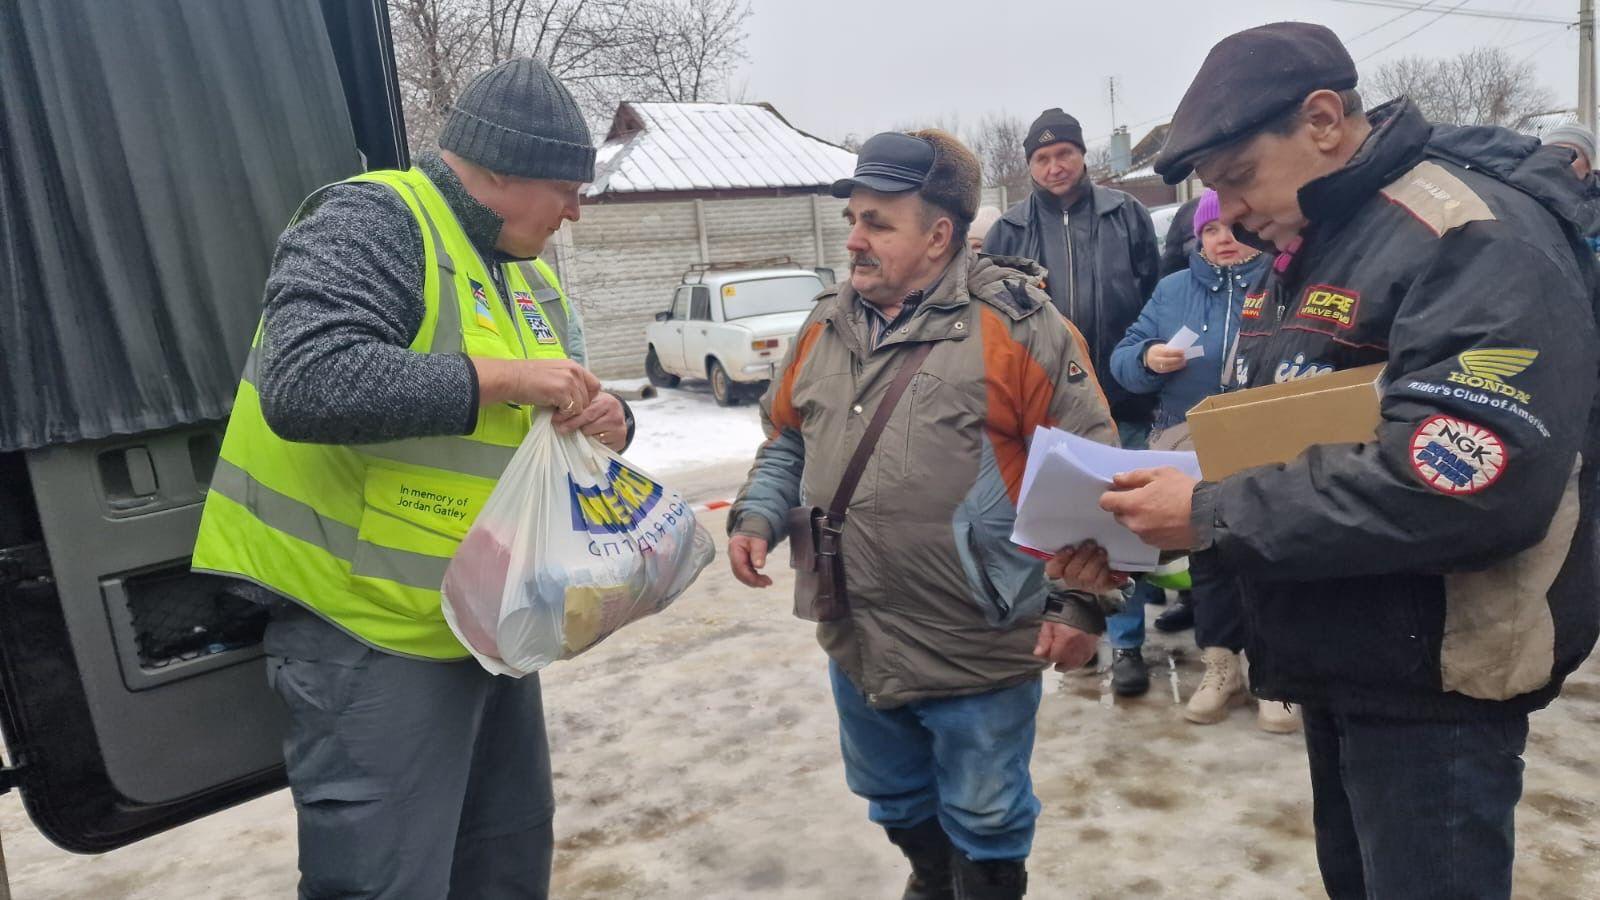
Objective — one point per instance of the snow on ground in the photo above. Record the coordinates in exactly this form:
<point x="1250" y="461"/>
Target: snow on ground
<point x="696" y="757"/>
<point x="683" y="428"/>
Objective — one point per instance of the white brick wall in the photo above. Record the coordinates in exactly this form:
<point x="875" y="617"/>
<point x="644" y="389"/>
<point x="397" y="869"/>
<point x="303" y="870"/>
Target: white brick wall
<point x="621" y="261"/>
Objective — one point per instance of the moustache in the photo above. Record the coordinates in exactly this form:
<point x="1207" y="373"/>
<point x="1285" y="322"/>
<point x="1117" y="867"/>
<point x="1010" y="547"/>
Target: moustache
<point x="857" y="262"/>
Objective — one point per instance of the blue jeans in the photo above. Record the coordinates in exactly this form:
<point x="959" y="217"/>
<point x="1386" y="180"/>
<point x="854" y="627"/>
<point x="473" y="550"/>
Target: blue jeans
<point x="1125" y="629"/>
<point x="1414" y="809"/>
<point x="963" y="759"/>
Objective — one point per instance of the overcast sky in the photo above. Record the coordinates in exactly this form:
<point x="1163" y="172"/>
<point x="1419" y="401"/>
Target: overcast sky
<point x="837" y="67"/>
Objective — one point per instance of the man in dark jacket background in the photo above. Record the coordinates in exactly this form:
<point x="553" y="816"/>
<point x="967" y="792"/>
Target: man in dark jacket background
<point x="1098" y="247"/>
<point x="1422" y="592"/>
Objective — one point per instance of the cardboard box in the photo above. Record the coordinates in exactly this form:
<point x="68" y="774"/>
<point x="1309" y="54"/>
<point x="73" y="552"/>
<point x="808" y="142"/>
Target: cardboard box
<point x="1278" y="422"/>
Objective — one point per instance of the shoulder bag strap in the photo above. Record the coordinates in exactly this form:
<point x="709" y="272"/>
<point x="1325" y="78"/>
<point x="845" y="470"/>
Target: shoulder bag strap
<point x="869" y="440"/>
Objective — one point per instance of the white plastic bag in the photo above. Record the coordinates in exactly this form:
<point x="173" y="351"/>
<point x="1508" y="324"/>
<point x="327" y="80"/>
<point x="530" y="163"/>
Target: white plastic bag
<point x="573" y="544"/>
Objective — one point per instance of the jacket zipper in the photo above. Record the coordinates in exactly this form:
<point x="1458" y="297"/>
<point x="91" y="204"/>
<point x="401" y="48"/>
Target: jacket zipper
<point x="1227" y="322"/>
<point x="1072" y="281"/>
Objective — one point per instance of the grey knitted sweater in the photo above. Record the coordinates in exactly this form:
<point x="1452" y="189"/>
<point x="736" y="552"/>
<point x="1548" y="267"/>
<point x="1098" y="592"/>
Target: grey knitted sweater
<point x="343" y="303"/>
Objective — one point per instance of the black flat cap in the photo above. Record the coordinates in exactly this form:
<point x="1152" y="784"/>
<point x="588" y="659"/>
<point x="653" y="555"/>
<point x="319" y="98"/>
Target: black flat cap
<point x="889" y="163"/>
<point x="1249" y="79"/>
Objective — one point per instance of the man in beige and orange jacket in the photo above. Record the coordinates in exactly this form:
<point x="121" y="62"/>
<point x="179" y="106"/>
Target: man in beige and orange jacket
<point x="936" y="667"/>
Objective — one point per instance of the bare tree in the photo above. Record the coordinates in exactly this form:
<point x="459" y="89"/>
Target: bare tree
<point x="1098" y="162"/>
<point x="687" y="47"/>
<point x="604" y="51"/>
<point x="436" y="43"/>
<point x="1483" y="86"/>
<point x="998" y="142"/>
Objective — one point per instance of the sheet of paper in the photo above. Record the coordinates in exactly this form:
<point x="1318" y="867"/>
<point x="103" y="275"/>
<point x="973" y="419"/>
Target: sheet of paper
<point x="1060" y="500"/>
<point x="1184" y="339"/>
<point x="1194" y="352"/>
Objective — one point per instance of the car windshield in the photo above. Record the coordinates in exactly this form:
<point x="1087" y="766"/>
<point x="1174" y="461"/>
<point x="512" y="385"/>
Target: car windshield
<point x="790" y="293"/>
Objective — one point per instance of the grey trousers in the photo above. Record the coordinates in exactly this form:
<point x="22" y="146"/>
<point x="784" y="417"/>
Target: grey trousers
<point x="411" y="779"/>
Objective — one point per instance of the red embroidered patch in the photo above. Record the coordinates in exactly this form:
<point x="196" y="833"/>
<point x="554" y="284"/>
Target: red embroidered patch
<point x="1252" y="305"/>
<point x="1454" y="456"/>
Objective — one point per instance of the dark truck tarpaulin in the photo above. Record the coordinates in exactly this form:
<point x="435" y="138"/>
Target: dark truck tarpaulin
<point x="140" y="198"/>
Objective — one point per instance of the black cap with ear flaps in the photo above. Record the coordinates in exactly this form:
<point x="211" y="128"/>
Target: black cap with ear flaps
<point x="1249" y="79"/>
<point x="889" y="163"/>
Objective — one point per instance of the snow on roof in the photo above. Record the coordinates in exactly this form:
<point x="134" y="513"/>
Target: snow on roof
<point x="1144" y="172"/>
<point x="711" y="146"/>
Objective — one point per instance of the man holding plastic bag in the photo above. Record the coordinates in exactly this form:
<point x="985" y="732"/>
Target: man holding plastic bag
<point x="410" y="341"/>
<point x="898" y="432"/>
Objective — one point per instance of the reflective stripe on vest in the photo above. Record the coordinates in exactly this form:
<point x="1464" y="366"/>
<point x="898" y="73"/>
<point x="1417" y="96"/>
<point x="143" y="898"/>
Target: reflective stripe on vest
<point x="362" y="534"/>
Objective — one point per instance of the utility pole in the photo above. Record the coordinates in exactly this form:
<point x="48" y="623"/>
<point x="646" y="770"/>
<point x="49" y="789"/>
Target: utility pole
<point x="1586" y="95"/>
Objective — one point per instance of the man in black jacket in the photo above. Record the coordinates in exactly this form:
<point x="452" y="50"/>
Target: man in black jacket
<point x="1420" y="593"/>
<point x="1097" y="245"/>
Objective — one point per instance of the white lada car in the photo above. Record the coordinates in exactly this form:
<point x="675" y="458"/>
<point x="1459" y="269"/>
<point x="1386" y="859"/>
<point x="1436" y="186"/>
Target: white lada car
<point x="730" y="326"/>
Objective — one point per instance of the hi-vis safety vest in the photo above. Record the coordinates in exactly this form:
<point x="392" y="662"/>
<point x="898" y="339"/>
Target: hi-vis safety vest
<point x="362" y="534"/>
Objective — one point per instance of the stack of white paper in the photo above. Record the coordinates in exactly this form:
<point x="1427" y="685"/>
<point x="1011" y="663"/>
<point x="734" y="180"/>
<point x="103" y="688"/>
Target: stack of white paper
<point x="1061" y="488"/>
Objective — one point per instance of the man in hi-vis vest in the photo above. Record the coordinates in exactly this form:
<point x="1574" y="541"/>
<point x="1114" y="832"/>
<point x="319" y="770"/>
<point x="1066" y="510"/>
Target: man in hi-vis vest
<point x="409" y="339"/>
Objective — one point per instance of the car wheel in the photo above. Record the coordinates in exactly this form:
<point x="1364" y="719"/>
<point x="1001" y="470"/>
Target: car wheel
<point x="722" y="387"/>
<point x="658" y="375"/>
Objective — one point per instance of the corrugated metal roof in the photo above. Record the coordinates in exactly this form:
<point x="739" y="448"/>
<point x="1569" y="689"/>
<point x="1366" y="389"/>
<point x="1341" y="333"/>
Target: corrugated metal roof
<point x="713" y="146"/>
<point x="1135" y="175"/>
<point x="1541" y="124"/>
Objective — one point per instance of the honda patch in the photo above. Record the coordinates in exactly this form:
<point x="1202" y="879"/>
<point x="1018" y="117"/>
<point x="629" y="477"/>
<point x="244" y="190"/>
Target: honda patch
<point x="1454" y="456"/>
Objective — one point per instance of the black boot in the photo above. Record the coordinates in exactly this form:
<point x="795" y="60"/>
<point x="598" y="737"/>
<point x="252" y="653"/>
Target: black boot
<point x="991" y="879"/>
<point x="1130" y="677"/>
<point x="929" y="850"/>
<point x="1178" y="617"/>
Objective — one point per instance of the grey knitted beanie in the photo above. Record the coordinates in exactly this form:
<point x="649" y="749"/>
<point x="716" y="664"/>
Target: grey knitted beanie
<point x="517" y="119"/>
<point x="1574" y="135"/>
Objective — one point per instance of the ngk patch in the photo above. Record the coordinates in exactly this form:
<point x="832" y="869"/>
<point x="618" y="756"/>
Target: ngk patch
<point x="1454" y="456"/>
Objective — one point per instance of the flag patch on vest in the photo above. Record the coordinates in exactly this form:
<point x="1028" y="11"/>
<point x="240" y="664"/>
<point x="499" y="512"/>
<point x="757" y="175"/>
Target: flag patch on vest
<point x="542" y="332"/>
<point x="480" y="304"/>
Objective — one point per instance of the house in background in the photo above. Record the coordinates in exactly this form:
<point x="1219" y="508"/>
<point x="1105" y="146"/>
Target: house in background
<point x="679" y="184"/>
<point x="1140" y="178"/>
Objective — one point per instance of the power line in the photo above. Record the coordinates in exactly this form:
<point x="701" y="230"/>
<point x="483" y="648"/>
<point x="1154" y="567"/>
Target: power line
<point x="1539" y="49"/>
<point x="1414" y="31"/>
<point x="1474" y="13"/>
<point x="1390" y="21"/>
<point x="1543" y="32"/>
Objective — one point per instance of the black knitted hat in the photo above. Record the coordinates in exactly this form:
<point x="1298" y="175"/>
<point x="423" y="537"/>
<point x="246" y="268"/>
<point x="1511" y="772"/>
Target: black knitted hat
<point x="1053" y="127"/>
<point x="517" y="119"/>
